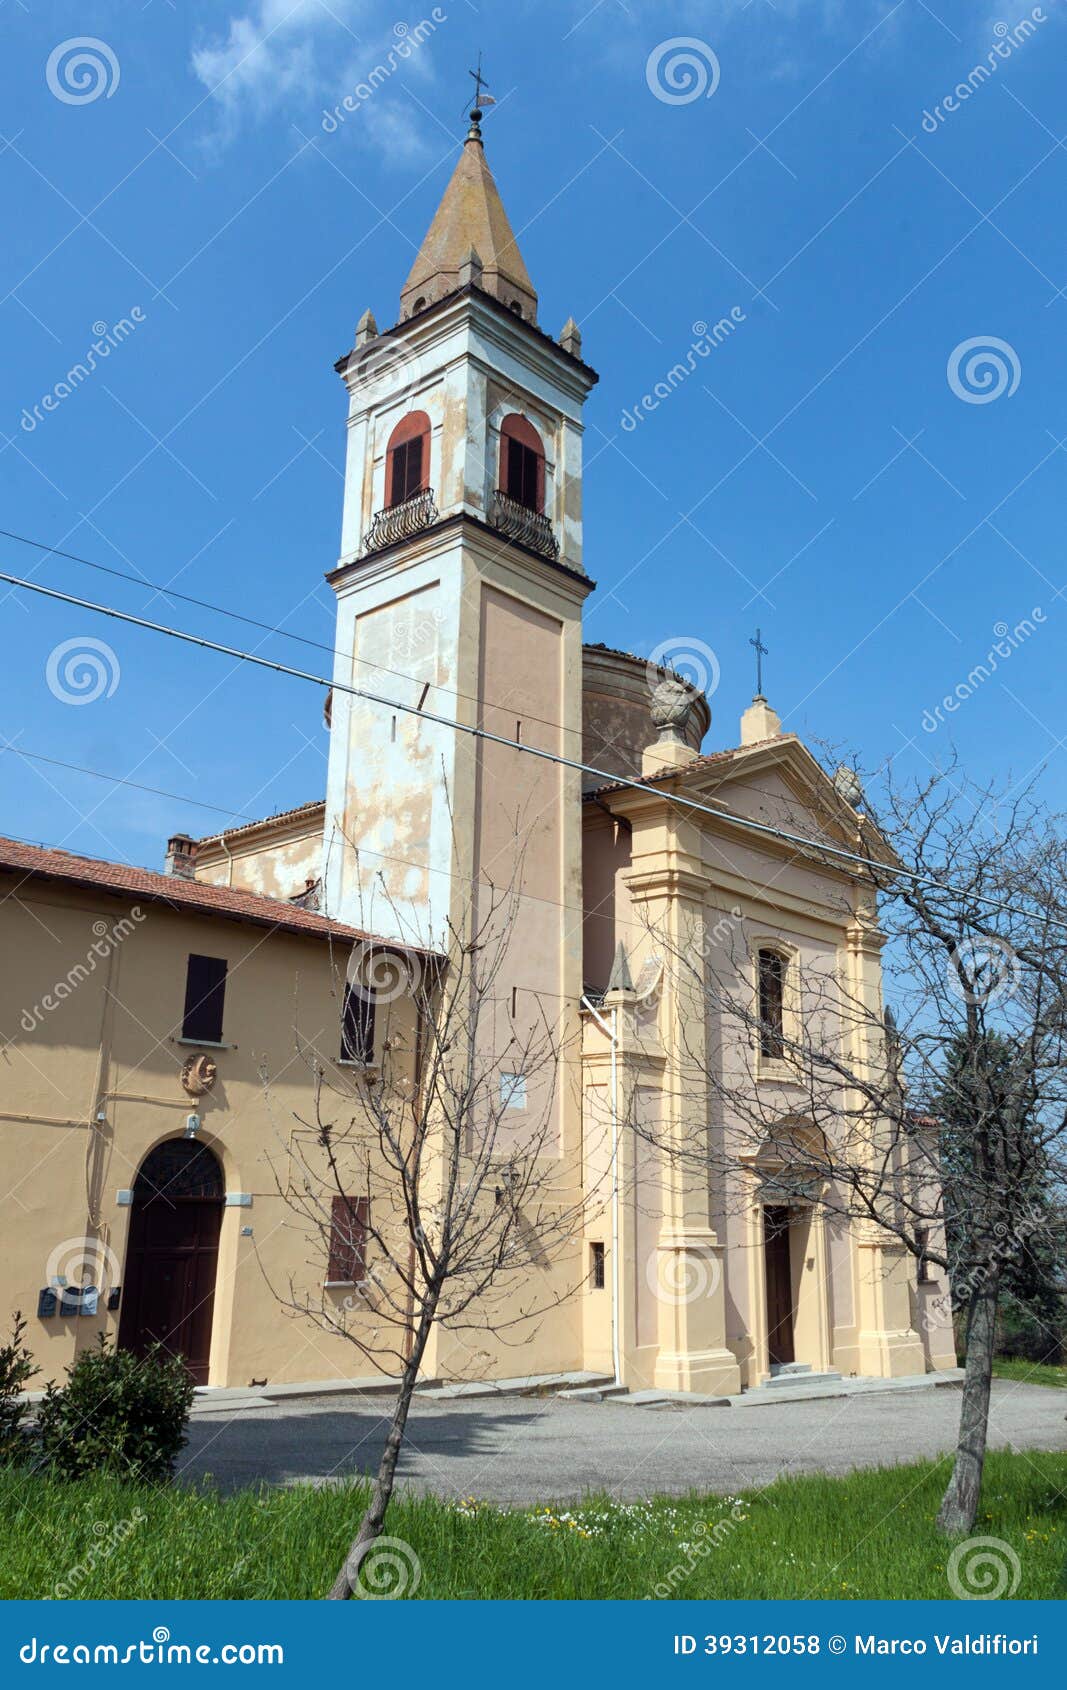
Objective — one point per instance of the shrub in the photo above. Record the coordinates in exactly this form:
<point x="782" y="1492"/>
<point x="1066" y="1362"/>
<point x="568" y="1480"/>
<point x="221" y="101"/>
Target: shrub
<point x="16" y="1368"/>
<point x="1023" y="1335"/>
<point x="117" y="1413"/>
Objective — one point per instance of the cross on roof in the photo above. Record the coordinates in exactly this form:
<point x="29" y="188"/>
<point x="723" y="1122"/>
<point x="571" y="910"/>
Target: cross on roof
<point x="761" y="651"/>
<point x="480" y="99"/>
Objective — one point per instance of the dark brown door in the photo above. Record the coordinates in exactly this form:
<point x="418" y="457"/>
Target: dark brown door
<point x="779" y="1285"/>
<point x="172" y="1255"/>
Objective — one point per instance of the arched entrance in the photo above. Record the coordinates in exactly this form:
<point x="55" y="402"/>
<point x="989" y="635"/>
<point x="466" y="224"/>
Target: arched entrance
<point x="172" y="1255"/>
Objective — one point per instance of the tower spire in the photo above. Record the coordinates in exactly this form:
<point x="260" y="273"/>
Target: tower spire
<point x="471" y="214"/>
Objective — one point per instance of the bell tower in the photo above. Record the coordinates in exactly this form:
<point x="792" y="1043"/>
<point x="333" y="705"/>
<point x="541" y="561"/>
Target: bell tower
<point x="459" y="593"/>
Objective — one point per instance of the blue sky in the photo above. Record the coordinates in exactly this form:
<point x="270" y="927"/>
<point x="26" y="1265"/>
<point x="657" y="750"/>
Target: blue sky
<point x="831" y="472"/>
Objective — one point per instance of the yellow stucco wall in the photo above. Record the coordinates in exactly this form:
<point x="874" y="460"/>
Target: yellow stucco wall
<point x="90" y="1035"/>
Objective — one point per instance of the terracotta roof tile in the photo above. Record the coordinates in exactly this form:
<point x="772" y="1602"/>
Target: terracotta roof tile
<point x="307" y="809"/>
<point x="196" y="896"/>
<point x="706" y="760"/>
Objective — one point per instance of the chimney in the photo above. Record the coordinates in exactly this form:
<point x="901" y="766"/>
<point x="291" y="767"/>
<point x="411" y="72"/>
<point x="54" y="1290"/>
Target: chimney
<point x="181" y="856"/>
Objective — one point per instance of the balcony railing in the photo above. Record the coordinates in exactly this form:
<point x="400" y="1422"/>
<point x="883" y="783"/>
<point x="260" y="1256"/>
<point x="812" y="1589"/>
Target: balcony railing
<point x="399" y="522"/>
<point x="519" y="522"/>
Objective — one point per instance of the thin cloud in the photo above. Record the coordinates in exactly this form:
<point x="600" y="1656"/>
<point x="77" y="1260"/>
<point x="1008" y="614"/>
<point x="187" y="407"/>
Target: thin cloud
<point x="283" y="56"/>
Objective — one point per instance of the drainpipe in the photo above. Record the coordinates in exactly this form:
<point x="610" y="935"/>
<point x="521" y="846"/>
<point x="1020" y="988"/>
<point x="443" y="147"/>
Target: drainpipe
<point x="613" y="1034"/>
<point x="229" y="859"/>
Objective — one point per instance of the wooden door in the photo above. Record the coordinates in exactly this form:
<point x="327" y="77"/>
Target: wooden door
<point x="172" y="1255"/>
<point x="779" y="1285"/>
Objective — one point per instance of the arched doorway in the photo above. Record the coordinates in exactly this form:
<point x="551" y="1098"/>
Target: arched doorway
<point x="172" y="1254"/>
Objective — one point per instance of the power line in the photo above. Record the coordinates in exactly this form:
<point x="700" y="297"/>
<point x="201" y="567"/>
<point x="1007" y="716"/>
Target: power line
<point x="181" y="798"/>
<point x="853" y="858"/>
<point x="121" y="780"/>
<point x="249" y="621"/>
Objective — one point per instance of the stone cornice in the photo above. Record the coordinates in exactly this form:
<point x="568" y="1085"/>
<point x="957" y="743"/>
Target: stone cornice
<point x="472" y="306"/>
<point x="429" y="542"/>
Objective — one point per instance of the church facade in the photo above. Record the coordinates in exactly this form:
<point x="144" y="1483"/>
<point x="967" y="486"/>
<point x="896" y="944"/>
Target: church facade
<point x="475" y="742"/>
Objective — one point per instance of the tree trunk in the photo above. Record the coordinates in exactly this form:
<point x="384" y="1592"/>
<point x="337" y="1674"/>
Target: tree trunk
<point x="373" y="1520"/>
<point x="959" y="1506"/>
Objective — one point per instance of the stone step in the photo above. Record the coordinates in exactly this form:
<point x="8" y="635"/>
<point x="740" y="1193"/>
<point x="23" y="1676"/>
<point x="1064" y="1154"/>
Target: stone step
<point x="526" y="1385"/>
<point x="232" y="1402"/>
<point x="591" y="1393"/>
<point x="672" y="1399"/>
<point x="812" y="1388"/>
<point x="786" y="1381"/>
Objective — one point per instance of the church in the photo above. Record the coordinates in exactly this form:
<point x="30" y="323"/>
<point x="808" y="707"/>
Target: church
<point x="475" y="741"/>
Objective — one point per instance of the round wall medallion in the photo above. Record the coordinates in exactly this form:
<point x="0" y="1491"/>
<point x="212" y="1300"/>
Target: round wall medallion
<point x="199" y="1073"/>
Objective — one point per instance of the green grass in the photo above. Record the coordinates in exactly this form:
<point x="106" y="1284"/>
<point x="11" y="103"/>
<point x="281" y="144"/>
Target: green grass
<point x="1030" y="1372"/>
<point x="869" y="1535"/>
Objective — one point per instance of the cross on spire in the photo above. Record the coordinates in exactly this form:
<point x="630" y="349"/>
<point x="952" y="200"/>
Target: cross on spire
<point x="761" y="651"/>
<point x="481" y="98"/>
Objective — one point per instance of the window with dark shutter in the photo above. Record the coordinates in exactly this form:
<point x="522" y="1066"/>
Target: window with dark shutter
<point x="405" y="466"/>
<point x="205" y="992"/>
<point x="922" y="1237"/>
<point x="523" y="475"/>
<point x="357" y="1026"/>
<point x="348" y="1241"/>
<point x="771" y="1004"/>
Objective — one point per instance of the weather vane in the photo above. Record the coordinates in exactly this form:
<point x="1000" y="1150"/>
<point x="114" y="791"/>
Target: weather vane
<point x="761" y="651"/>
<point x="481" y="98"/>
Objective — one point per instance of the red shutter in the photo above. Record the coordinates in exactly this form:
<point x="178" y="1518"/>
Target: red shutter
<point x="348" y="1239"/>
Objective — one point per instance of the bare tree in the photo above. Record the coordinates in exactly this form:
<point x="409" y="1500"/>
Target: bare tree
<point x="952" y="1108"/>
<point x="467" y="1213"/>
